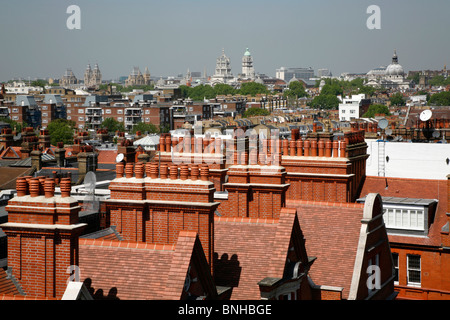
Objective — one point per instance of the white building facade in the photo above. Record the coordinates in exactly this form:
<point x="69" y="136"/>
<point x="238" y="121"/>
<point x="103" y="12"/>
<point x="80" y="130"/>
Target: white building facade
<point x="408" y="160"/>
<point x="353" y="108"/>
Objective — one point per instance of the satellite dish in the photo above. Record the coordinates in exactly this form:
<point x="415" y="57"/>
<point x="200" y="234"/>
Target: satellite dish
<point x="90" y="202"/>
<point x="436" y="134"/>
<point x="119" y="157"/>
<point x="383" y="123"/>
<point x="388" y="132"/>
<point x="69" y="153"/>
<point x="426" y="115"/>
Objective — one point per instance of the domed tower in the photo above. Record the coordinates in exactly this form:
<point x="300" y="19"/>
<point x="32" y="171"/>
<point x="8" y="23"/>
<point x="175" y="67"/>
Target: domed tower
<point x="222" y="72"/>
<point x="248" y="72"/>
<point x="395" y="69"/>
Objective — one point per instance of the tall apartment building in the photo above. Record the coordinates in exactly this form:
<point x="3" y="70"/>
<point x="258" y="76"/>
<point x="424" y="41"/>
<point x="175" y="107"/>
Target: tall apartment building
<point x="26" y="110"/>
<point x="52" y="107"/>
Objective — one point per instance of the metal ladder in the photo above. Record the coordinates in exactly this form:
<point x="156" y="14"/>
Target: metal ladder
<point x="381" y="158"/>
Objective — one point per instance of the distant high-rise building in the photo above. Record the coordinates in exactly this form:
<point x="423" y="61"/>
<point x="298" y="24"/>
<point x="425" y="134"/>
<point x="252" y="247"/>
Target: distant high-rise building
<point x="92" y="78"/>
<point x="248" y="72"/>
<point x="287" y="74"/>
<point x="222" y="72"/>
<point x="323" y="73"/>
<point x="68" y="79"/>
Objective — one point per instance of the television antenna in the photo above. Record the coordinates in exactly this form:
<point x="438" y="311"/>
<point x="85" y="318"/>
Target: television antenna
<point x="90" y="202"/>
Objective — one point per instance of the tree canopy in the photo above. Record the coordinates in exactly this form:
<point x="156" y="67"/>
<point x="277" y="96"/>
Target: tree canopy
<point x="440" y="99"/>
<point x="439" y="80"/>
<point x="145" y="127"/>
<point x="14" y="124"/>
<point x="327" y="101"/>
<point x="397" y="99"/>
<point x="254" y="111"/>
<point x="376" y="109"/>
<point x="61" y="130"/>
<point x="253" y="88"/>
<point x="295" y="89"/>
<point x="113" y="125"/>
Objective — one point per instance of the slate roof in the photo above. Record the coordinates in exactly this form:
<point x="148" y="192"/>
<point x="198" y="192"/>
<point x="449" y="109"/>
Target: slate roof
<point x="416" y="189"/>
<point x="331" y="232"/>
<point x="135" y="271"/>
<point x="247" y="250"/>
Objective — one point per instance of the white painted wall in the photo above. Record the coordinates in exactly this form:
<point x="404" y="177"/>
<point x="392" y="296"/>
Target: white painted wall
<point x="410" y="160"/>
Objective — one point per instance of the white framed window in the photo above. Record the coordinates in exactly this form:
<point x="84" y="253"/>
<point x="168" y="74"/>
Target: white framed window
<point x="15" y="110"/>
<point x="15" y="118"/>
<point x="413" y="265"/>
<point x="119" y="111"/>
<point x="80" y="110"/>
<point x="108" y="111"/>
<point x="120" y="119"/>
<point x="404" y="218"/>
<point x="80" y="118"/>
<point x="69" y="111"/>
<point x="147" y="119"/>
<point x="44" y="121"/>
<point x="343" y="111"/>
<point x="69" y="118"/>
<point x="45" y="114"/>
<point x="147" y="111"/>
<point x="44" y="107"/>
<point x="395" y="259"/>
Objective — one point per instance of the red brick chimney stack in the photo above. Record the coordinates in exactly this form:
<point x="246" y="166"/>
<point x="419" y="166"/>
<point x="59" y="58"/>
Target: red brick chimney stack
<point x="49" y="224"/>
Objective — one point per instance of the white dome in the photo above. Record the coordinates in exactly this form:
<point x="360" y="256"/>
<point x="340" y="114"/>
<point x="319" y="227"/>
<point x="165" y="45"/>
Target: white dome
<point x="394" y="70"/>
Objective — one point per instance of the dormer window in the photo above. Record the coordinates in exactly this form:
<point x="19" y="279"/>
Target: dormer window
<point x="408" y="215"/>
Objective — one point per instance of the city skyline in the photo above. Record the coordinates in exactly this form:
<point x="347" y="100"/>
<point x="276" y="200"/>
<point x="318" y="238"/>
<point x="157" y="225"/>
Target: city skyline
<point x="172" y="36"/>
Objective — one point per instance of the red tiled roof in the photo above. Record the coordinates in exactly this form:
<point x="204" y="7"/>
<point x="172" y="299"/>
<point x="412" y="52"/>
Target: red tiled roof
<point x="413" y="188"/>
<point x="331" y="234"/>
<point x="134" y="271"/>
<point x="7" y="287"/>
<point x="11" y="153"/>
<point x="247" y="250"/>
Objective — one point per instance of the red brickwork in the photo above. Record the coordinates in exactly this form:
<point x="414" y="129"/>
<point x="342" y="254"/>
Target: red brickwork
<point x="155" y="206"/>
<point x="43" y="233"/>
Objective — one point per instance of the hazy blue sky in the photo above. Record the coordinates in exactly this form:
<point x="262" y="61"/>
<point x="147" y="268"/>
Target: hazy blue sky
<point x="170" y="36"/>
